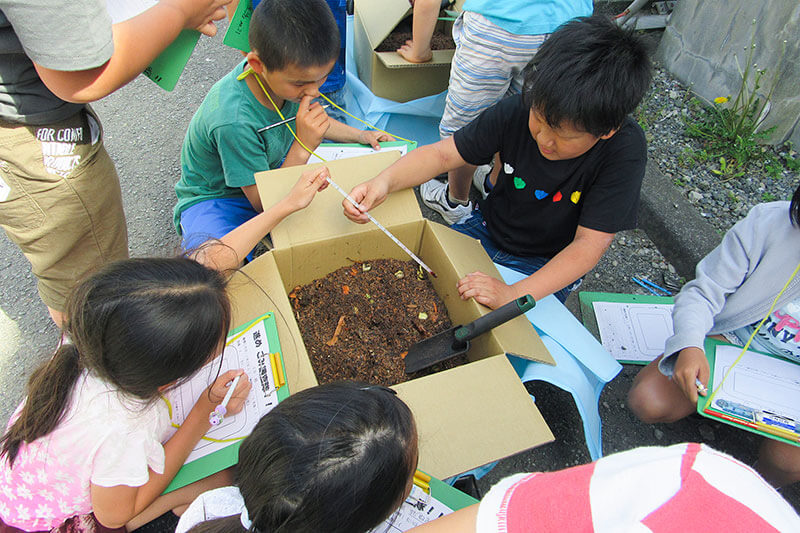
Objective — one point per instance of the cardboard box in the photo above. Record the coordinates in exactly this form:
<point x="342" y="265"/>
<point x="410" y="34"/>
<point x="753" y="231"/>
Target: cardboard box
<point x="387" y="74"/>
<point x="466" y="416"/>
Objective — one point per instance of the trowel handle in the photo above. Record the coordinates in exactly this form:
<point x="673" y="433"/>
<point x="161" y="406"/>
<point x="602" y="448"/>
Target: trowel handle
<point x="501" y="315"/>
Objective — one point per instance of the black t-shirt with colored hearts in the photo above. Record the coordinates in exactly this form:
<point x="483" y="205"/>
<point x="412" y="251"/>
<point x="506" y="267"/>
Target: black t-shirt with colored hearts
<point x="537" y="204"/>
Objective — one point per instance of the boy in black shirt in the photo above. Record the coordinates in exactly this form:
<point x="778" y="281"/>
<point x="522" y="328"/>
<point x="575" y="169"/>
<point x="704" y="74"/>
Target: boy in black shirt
<point x="573" y="163"/>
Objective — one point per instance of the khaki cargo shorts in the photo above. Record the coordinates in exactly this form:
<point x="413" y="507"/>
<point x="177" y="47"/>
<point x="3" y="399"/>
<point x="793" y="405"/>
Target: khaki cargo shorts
<point x="60" y="201"/>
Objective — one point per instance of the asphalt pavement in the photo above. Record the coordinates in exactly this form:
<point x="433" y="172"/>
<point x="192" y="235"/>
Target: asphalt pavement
<point x="144" y="128"/>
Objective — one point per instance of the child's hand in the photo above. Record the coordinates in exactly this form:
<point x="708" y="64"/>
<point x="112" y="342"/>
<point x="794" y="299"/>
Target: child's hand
<point x="691" y="366"/>
<point x="485" y="289"/>
<point x="310" y="183"/>
<point x="221" y="385"/>
<point x="312" y="122"/>
<point x="368" y="194"/>
<point x="373" y="137"/>
<point x="414" y="53"/>
<point x="201" y="14"/>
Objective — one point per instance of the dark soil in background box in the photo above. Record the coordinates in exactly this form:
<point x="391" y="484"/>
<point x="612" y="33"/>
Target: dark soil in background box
<point x="358" y="322"/>
<point x="402" y="33"/>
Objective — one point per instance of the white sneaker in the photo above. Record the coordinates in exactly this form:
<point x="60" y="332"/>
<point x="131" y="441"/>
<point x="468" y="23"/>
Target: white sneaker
<point x="479" y="179"/>
<point x="434" y="195"/>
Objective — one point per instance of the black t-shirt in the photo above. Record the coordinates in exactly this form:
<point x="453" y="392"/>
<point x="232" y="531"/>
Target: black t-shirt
<point x="537" y="204"/>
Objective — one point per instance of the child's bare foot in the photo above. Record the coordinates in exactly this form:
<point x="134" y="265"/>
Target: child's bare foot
<point x="410" y="53"/>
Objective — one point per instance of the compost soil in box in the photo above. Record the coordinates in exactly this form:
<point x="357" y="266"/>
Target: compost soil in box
<point x="359" y="321"/>
<point x="439" y="40"/>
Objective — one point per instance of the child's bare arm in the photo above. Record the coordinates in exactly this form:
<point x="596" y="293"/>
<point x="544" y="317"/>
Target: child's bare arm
<point x="236" y="244"/>
<point x="418" y="49"/>
<point x="417" y="166"/>
<point x="574" y="261"/>
<point x="137" y="42"/>
<point x="115" y="506"/>
<point x="341" y="132"/>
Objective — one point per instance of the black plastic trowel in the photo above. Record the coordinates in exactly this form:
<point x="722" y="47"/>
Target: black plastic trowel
<point x="455" y="341"/>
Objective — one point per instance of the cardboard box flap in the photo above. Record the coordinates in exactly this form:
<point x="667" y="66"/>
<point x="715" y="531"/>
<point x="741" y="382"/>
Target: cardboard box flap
<point x="395" y="60"/>
<point x="380" y="17"/>
<point x="472" y="415"/>
<point x="257" y="289"/>
<point x="323" y="218"/>
<point x="516" y="336"/>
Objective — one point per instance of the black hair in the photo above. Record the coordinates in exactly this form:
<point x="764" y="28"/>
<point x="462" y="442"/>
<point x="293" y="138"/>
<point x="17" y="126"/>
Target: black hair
<point x="590" y="73"/>
<point x="294" y="32"/>
<point x="794" y="207"/>
<point x="337" y="458"/>
<point x="138" y="324"/>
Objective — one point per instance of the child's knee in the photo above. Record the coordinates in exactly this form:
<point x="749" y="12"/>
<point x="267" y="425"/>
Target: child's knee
<point x="779" y="462"/>
<point x="648" y="401"/>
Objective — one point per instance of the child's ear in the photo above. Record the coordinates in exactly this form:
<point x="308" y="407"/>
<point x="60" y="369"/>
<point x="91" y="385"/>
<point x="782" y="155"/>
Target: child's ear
<point x="609" y="134"/>
<point x="255" y="63"/>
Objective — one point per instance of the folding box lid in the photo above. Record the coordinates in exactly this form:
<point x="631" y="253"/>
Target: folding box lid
<point x="380" y="17"/>
<point x="323" y="218"/>
<point x="472" y="415"/>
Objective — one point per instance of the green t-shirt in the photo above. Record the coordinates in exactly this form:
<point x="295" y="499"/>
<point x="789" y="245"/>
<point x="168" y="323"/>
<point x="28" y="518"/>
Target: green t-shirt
<point x="223" y="149"/>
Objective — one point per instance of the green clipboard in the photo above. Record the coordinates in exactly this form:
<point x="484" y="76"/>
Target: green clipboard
<point x="388" y="144"/>
<point x="168" y="66"/>
<point x="229" y="456"/>
<point x="450" y="496"/>
<point x="589" y="318"/>
<point x="731" y="418"/>
<point x="236" y="35"/>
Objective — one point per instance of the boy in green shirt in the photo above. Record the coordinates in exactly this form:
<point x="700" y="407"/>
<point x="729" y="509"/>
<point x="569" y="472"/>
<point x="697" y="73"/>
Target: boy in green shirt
<point x="294" y="45"/>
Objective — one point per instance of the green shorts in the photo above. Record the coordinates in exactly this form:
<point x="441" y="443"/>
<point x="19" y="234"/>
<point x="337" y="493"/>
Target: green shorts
<point x="60" y="201"/>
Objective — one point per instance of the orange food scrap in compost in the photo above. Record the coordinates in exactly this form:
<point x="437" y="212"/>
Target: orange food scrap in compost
<point x="345" y="289"/>
<point x="403" y="355"/>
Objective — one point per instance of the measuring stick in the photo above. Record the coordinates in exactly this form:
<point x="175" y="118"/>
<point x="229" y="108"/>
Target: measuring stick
<point x="381" y="227"/>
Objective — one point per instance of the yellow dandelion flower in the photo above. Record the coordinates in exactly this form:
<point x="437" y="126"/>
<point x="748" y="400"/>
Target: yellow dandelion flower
<point x="720" y="100"/>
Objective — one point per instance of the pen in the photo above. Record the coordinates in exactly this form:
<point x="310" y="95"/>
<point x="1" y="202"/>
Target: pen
<point x="645" y="287"/>
<point x="284" y="121"/>
<point x="657" y="287"/>
<point x="219" y="411"/>
<point x="700" y="387"/>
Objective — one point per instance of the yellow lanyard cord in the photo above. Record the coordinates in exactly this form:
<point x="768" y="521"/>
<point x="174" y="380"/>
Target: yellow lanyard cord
<point x="249" y="71"/>
<point x="362" y="121"/>
<point x="177" y="426"/>
<point x="752" y="336"/>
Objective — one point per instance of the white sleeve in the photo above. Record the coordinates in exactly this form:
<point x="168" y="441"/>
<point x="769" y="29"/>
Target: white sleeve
<point x="217" y="503"/>
<point x="488" y="520"/>
<point x="125" y="457"/>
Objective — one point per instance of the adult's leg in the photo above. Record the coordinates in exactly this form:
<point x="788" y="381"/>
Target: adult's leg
<point x="63" y="204"/>
<point x="656" y="398"/>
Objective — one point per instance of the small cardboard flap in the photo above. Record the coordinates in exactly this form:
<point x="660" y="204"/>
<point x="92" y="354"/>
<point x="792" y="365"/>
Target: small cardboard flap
<point x="395" y="60"/>
<point x="472" y="415"/>
<point x="257" y="289"/>
<point x="517" y="336"/>
<point x="323" y="218"/>
<point x="380" y="17"/>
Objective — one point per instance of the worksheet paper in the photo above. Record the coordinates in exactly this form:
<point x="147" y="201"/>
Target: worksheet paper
<point x="248" y="350"/>
<point x="419" y="508"/>
<point x="337" y="151"/>
<point x="633" y="332"/>
<point x="758" y="381"/>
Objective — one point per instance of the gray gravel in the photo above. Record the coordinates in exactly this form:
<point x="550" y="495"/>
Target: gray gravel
<point x="664" y="114"/>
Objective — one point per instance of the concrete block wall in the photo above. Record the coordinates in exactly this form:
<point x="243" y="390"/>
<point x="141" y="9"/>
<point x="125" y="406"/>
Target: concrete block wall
<point x="704" y="39"/>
